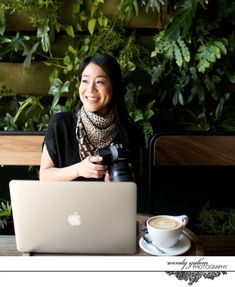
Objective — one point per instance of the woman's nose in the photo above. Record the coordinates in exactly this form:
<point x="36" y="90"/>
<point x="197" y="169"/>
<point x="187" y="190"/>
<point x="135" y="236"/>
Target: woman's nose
<point x="91" y="86"/>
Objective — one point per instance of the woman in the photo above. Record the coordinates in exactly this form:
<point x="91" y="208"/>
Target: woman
<point x="99" y="120"/>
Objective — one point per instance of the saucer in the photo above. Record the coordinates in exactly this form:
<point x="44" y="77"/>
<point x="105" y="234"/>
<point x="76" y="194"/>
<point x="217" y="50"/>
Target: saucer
<point x="182" y="245"/>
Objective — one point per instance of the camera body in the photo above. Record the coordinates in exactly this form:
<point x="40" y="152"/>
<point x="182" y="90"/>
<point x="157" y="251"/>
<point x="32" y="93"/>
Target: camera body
<point x="114" y="156"/>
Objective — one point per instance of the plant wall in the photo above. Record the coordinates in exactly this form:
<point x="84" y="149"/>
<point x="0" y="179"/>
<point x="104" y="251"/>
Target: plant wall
<point x="178" y="70"/>
<point x="177" y="59"/>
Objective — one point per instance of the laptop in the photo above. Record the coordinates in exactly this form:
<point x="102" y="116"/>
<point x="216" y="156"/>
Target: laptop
<point x="74" y="217"/>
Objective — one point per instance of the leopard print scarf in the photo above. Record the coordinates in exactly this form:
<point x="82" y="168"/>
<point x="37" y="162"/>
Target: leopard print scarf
<point x="94" y="131"/>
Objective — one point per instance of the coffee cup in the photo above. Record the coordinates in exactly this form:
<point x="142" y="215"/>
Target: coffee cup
<point x="165" y="230"/>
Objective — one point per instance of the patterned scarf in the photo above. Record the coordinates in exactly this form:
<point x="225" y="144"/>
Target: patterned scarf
<point x="94" y="131"/>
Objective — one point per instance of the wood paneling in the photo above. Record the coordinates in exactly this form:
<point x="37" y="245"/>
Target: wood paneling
<point x="20" y="150"/>
<point x="194" y="150"/>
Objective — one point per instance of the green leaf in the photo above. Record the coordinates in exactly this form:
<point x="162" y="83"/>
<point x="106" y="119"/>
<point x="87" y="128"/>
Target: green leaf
<point x="135" y="4"/>
<point x="208" y="53"/>
<point x="181" y="99"/>
<point x="177" y="53"/>
<point x="182" y="18"/>
<point x="2" y="22"/>
<point x="221" y="46"/>
<point x="154" y="5"/>
<point x="91" y="26"/>
<point x="103" y="21"/>
<point x="42" y="33"/>
<point x="65" y="87"/>
<point x="220" y="106"/>
<point x="78" y="27"/>
<point x="171" y="49"/>
<point x="93" y="10"/>
<point x="72" y="50"/>
<point x="57" y="89"/>
<point x="137" y="115"/>
<point x="175" y="99"/>
<point x="29" y="102"/>
<point x="56" y="85"/>
<point x="58" y="27"/>
<point x="70" y="31"/>
<point x="184" y="49"/>
<point x="156" y="73"/>
<point x="148" y="132"/>
<point x="5" y="211"/>
<point x="76" y="7"/>
<point x="29" y="55"/>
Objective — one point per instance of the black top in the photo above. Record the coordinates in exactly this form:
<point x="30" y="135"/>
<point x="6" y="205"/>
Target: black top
<point x="60" y="139"/>
<point x="62" y="145"/>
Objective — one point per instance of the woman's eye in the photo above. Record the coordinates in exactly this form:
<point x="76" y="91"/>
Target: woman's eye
<point x="100" y="82"/>
<point x="84" y="81"/>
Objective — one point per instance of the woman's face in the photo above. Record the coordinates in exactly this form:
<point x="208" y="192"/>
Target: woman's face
<point x="95" y="89"/>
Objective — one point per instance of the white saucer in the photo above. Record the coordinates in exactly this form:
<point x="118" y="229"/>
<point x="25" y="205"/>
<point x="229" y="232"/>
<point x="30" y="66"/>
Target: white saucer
<point x="180" y="247"/>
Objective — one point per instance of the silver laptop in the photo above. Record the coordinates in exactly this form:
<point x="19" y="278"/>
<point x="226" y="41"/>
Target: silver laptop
<point x="74" y="217"/>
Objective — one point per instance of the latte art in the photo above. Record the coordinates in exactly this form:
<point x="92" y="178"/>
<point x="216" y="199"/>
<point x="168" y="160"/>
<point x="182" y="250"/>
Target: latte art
<point x="164" y="223"/>
<point x="165" y="230"/>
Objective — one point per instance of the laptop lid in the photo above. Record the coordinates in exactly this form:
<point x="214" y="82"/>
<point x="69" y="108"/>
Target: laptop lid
<point x="74" y="217"/>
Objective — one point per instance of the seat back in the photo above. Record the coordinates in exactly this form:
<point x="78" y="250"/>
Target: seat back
<point x="183" y="165"/>
<point x="192" y="150"/>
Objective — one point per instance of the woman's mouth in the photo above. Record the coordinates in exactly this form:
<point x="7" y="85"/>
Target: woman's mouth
<point x="92" y="99"/>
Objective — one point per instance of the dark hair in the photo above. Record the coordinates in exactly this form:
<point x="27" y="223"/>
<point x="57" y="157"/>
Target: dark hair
<point x="111" y="67"/>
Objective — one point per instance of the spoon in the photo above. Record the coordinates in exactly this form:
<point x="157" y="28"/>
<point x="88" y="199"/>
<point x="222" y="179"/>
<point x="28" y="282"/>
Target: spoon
<point x="147" y="240"/>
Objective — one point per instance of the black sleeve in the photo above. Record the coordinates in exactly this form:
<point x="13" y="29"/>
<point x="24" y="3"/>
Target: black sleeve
<point x="60" y="139"/>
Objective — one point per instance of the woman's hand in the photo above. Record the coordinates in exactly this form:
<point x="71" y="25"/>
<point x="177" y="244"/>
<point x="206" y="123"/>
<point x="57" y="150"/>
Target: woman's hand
<point x="107" y="177"/>
<point x="90" y="167"/>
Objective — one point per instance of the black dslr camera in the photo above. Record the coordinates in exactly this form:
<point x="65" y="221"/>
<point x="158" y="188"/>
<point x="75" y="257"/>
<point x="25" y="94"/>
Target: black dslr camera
<point x="114" y="156"/>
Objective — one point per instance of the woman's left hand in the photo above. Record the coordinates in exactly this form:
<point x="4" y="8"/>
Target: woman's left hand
<point x="107" y="177"/>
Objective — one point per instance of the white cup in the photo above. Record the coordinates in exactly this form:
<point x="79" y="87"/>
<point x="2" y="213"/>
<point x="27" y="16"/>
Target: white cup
<point x="165" y="230"/>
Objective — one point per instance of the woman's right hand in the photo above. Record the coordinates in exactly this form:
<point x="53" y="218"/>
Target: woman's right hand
<point x="90" y="167"/>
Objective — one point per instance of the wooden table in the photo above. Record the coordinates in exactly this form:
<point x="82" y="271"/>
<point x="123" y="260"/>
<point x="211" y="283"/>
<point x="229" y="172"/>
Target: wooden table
<point x="203" y="245"/>
<point x="8" y="244"/>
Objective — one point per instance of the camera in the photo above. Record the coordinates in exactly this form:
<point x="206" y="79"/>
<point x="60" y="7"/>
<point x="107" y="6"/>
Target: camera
<point x="114" y="156"/>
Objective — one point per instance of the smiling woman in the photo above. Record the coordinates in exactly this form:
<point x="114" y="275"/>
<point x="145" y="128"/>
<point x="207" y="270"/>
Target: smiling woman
<point x="99" y="121"/>
<point x="95" y="89"/>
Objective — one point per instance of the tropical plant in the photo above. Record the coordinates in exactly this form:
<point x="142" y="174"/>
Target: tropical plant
<point x="183" y="79"/>
<point x="216" y="221"/>
<point x="5" y="213"/>
<point x="192" y="70"/>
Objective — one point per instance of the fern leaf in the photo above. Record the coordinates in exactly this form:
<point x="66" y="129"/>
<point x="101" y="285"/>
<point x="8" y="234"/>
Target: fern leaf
<point x="148" y="132"/>
<point x="137" y="115"/>
<point x="184" y="50"/>
<point x="208" y="53"/>
<point x="177" y="53"/>
<point x="156" y="73"/>
<point x="171" y="49"/>
<point x="221" y="46"/>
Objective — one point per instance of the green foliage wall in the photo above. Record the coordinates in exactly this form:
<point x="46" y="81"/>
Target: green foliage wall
<point x="179" y="68"/>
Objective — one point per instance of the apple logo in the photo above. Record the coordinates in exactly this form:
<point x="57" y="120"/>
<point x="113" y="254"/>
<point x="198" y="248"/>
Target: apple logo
<point x="74" y="219"/>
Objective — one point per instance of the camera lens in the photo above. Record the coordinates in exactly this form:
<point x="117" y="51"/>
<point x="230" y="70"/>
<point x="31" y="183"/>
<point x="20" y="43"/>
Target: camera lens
<point x="115" y="158"/>
<point x="120" y="172"/>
